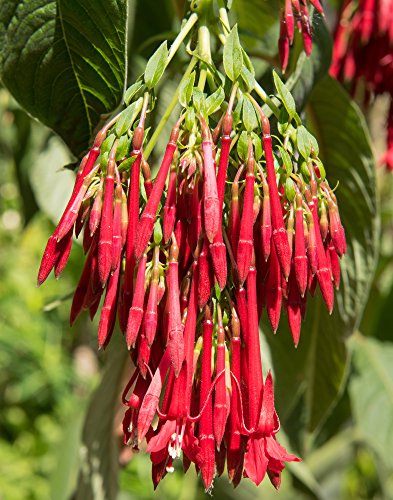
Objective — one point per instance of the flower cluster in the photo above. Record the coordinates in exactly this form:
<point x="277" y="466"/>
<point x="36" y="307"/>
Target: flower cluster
<point x="363" y="57"/>
<point x="232" y="224"/>
<point x="295" y="12"/>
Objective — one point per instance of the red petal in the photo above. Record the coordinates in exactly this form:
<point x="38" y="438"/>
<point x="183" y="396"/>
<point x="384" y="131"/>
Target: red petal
<point x="255" y="460"/>
<point x="266" y="420"/>
<point x="278" y="452"/>
<point x="160" y="440"/>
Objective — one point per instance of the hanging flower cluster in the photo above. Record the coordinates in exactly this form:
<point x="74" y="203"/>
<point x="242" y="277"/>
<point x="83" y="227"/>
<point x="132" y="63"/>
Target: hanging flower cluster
<point x="296" y="12"/>
<point x="363" y="55"/>
<point x="232" y="224"/>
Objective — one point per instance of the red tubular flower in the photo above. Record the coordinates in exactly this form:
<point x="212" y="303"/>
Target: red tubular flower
<point x="117" y="243"/>
<point x="264" y="453"/>
<point x="175" y="327"/>
<point x="64" y="250"/>
<point x="95" y="213"/>
<point x="150" y="319"/>
<point x="170" y="206"/>
<point x="246" y="242"/>
<point x="205" y="433"/>
<point x="300" y="258"/>
<point x="362" y="54"/>
<point x="136" y="312"/>
<point x="234" y="220"/>
<point x="280" y="237"/>
<point x="205" y="282"/>
<point x="284" y="41"/>
<point x="221" y="407"/>
<point x="108" y="313"/>
<point x="146" y="222"/>
<point x="211" y="203"/>
<point x="287" y="26"/>
<point x="274" y="291"/>
<point x="294" y="307"/>
<point x="323" y="273"/>
<point x="235" y="451"/>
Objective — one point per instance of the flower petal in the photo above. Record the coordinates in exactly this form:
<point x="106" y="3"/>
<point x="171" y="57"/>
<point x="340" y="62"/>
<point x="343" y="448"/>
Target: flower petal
<point x="278" y="452"/>
<point x="161" y="440"/>
<point x="255" y="460"/>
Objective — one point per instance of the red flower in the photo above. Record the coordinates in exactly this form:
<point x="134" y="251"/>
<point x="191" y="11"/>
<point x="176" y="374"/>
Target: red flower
<point x="264" y="453"/>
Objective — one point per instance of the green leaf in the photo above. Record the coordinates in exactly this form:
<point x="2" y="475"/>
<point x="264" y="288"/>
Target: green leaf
<point x="316" y="369"/>
<point x="52" y="187"/>
<point x="242" y="146"/>
<point x="303" y="142"/>
<point x="285" y="95"/>
<point x="123" y="147"/>
<point x="237" y="112"/>
<point x="106" y="146"/>
<point x="185" y="92"/>
<point x="310" y="70"/>
<point x="233" y="55"/>
<point x="248" y="79"/>
<point x="156" y="65"/>
<point x="126" y="164"/>
<point x="371" y="391"/>
<point x="190" y="118"/>
<point x="258" y="24"/>
<point x="290" y="192"/>
<point x="286" y="159"/>
<point x="214" y="101"/>
<point x="256" y="140"/>
<point x="127" y="117"/>
<point x="157" y="234"/>
<point x="99" y="449"/>
<point x="22" y="147"/>
<point x="198" y="99"/>
<point x="250" y="119"/>
<point x="132" y="91"/>
<point x="65" y="62"/>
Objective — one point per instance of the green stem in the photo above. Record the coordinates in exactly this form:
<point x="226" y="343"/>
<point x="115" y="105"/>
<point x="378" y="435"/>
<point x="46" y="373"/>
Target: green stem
<point x="223" y="15"/>
<point x="204" y="53"/>
<point x="165" y="117"/>
<point x="266" y="99"/>
<point x="181" y="36"/>
<point x="258" y="89"/>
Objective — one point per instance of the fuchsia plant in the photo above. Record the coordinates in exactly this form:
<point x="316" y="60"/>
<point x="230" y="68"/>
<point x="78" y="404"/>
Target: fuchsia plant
<point x="296" y="12"/>
<point x="235" y="221"/>
<point x="363" y="56"/>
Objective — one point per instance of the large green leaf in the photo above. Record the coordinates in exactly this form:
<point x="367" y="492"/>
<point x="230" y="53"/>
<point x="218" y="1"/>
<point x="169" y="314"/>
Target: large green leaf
<point x="316" y="370"/>
<point x="371" y="390"/>
<point x="65" y="61"/>
<point x="309" y="70"/>
<point x="258" y="24"/>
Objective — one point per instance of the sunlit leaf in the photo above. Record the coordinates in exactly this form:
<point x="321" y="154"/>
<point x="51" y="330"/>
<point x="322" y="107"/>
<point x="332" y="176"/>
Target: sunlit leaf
<point x="64" y="61"/>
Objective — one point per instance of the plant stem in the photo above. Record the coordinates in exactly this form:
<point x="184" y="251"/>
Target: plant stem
<point x="223" y="15"/>
<point x="165" y="117"/>
<point x="181" y="36"/>
<point x="258" y="89"/>
<point x="204" y="53"/>
<point x="267" y="100"/>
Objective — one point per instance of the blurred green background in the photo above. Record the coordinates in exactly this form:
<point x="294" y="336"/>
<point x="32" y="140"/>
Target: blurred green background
<point x="49" y="372"/>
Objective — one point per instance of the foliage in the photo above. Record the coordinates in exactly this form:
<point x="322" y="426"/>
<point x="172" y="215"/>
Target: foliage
<point x="334" y="393"/>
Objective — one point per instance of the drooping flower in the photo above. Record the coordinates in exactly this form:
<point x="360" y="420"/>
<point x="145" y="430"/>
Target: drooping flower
<point x="233" y="222"/>
<point x="362" y="56"/>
